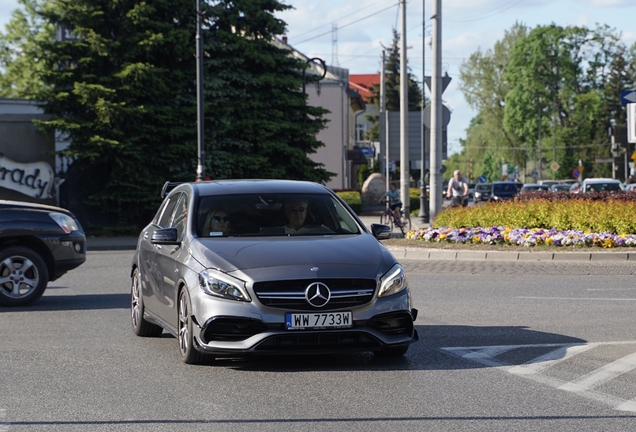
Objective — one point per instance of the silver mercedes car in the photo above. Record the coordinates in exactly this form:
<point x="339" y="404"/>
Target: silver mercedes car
<point x="267" y="267"/>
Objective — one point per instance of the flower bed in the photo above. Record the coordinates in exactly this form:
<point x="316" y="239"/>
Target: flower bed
<point x="522" y="237"/>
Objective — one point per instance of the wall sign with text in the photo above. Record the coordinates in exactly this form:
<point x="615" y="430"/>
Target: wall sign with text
<point x="34" y="179"/>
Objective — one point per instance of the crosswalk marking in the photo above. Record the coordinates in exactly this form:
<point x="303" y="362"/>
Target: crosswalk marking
<point x="603" y="374"/>
<point x="532" y="369"/>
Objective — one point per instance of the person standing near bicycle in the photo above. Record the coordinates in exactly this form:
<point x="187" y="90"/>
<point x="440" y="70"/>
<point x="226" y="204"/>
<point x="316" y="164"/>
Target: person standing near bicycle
<point x="457" y="189"/>
<point x="395" y="203"/>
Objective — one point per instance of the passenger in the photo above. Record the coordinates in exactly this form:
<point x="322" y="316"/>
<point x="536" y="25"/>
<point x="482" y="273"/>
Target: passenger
<point x="218" y="224"/>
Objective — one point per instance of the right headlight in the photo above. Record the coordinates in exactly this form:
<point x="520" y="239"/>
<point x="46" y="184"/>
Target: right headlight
<point x="393" y="281"/>
<point x="223" y="286"/>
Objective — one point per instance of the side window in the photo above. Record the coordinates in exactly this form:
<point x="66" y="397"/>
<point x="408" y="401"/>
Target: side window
<point x="168" y="208"/>
<point x="181" y="216"/>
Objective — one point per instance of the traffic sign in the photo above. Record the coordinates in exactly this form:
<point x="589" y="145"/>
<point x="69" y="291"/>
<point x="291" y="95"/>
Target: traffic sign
<point x="482" y="179"/>
<point x="555" y="166"/>
<point x="628" y="97"/>
<point x="576" y="173"/>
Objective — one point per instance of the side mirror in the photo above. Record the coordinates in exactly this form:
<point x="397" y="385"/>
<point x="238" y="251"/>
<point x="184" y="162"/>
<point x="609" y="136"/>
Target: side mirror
<point x="381" y="232"/>
<point x="167" y="236"/>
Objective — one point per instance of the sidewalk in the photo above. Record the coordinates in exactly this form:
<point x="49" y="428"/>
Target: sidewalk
<point x="416" y="251"/>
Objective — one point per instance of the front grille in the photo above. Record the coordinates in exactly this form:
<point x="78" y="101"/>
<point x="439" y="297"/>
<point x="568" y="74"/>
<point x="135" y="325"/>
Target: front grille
<point x="290" y="294"/>
<point x="319" y="342"/>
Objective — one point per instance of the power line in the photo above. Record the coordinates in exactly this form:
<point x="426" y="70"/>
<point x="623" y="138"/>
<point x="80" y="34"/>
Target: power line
<point x="347" y="25"/>
<point x="489" y="14"/>
<point x="325" y="25"/>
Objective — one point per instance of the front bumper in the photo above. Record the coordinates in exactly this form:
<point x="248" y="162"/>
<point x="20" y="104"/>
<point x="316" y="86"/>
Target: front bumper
<point x="236" y="335"/>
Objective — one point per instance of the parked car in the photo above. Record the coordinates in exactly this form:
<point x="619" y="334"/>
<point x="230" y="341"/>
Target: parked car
<point x="601" y="184"/>
<point x="254" y="285"/>
<point x="575" y="188"/>
<point x="530" y="187"/>
<point x="559" y="187"/>
<point x="38" y="244"/>
<point x="482" y="192"/>
<point x="630" y="187"/>
<point x="502" y="191"/>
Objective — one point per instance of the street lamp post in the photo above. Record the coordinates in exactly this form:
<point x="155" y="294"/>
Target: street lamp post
<point x="200" y="113"/>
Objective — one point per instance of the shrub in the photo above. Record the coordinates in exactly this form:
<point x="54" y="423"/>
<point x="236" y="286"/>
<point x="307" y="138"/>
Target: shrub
<point x="353" y="199"/>
<point x="595" y="212"/>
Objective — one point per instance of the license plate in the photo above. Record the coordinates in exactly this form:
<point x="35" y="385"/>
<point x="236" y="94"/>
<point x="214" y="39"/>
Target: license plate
<point x="318" y="320"/>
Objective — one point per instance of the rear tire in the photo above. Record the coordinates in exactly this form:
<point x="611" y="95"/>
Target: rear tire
<point x="385" y="219"/>
<point x="23" y="276"/>
<point x="141" y="327"/>
<point x="405" y="223"/>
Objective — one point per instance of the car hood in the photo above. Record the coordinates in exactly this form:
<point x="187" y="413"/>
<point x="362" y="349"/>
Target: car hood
<point x="360" y="256"/>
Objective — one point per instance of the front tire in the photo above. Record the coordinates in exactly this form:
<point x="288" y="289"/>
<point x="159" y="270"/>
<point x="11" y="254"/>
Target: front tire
<point x="141" y="327"/>
<point x="189" y="354"/>
<point x="23" y="276"/>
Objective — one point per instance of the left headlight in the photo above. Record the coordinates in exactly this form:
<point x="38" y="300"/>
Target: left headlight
<point x="393" y="281"/>
<point x="65" y="222"/>
<point x="223" y="286"/>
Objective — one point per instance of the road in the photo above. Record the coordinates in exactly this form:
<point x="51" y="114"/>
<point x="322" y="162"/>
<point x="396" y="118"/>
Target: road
<point x="503" y="346"/>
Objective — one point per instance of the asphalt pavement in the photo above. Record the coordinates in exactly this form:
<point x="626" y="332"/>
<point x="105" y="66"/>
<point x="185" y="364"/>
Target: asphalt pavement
<point x="413" y="252"/>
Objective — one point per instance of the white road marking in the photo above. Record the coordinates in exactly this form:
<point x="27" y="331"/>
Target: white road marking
<point x="533" y="368"/>
<point x="548" y="360"/>
<point x="611" y="289"/>
<point x="603" y="374"/>
<point x="577" y="298"/>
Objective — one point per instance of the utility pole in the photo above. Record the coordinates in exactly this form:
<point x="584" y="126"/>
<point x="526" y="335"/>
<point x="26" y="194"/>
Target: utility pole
<point x="386" y="118"/>
<point x="200" y="113"/>
<point x="436" y="113"/>
<point x="404" y="120"/>
<point x="423" y="215"/>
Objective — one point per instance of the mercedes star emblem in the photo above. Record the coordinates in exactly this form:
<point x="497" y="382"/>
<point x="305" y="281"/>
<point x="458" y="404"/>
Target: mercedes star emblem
<point x="317" y="294"/>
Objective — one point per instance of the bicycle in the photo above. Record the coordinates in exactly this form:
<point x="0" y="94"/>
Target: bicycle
<point x="402" y="220"/>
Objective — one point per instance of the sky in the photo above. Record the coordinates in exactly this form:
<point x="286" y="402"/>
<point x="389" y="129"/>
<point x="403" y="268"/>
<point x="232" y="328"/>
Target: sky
<point x="364" y="26"/>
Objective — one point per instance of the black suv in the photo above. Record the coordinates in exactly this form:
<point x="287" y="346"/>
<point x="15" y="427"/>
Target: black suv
<point x="38" y="244"/>
<point x="503" y="191"/>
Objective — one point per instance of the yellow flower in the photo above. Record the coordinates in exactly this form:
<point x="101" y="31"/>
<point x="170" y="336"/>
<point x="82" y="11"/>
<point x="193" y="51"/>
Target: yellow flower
<point x="476" y="239"/>
<point x="549" y="241"/>
<point x="442" y="236"/>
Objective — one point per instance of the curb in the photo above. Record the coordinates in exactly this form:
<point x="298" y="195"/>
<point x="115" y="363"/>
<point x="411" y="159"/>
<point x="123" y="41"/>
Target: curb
<point x="466" y="255"/>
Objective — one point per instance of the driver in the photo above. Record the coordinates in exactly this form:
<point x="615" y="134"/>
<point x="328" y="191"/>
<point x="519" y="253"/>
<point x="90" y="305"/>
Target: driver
<point x="296" y="212"/>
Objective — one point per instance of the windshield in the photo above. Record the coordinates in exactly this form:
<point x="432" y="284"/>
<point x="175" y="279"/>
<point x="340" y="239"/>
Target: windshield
<point x="267" y="214"/>
<point x="482" y="188"/>
<point x="599" y="187"/>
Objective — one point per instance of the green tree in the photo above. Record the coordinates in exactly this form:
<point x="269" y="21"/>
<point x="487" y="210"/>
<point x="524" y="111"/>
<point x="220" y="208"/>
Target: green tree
<point x="484" y="83"/>
<point x="124" y="91"/>
<point x="392" y="88"/>
<point x="548" y="93"/>
<point x="260" y="125"/>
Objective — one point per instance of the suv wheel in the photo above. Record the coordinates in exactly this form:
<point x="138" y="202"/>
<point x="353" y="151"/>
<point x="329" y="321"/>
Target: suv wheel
<point x="23" y="276"/>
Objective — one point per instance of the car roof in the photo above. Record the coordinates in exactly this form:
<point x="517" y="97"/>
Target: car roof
<point x="245" y="186"/>
<point x="600" y="180"/>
